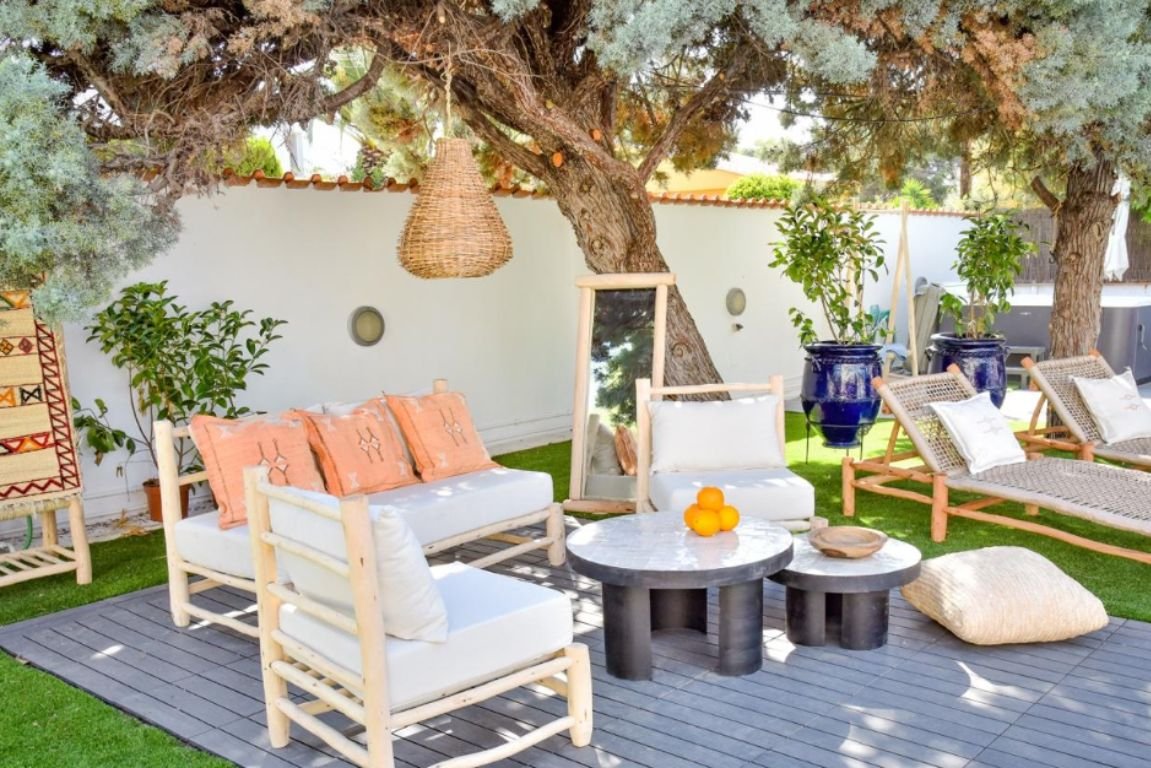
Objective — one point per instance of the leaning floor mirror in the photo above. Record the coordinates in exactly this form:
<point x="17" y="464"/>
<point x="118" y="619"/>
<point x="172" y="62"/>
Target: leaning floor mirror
<point x="622" y="337"/>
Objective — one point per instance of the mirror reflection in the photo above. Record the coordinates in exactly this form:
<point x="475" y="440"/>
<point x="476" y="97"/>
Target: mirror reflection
<point x="623" y="333"/>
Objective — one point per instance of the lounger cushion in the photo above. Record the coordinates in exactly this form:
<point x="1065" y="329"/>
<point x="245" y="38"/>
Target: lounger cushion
<point x="1115" y="406"/>
<point x="719" y="435"/>
<point x="771" y="494"/>
<point x="980" y="433"/>
<point x="444" y="508"/>
<point x="496" y="624"/>
<point x="409" y="601"/>
<point x="1000" y="595"/>
<point x="201" y="541"/>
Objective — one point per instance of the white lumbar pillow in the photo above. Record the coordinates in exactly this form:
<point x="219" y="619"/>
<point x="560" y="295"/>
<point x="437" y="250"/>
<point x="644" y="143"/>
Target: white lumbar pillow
<point x="1116" y="406"/>
<point x="980" y="433"/>
<point x="410" y="601"/>
<point x="721" y="434"/>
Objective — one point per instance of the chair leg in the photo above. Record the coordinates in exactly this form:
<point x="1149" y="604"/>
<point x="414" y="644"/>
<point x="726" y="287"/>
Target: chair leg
<point x="80" y="541"/>
<point x="178" y="594"/>
<point x="939" y="507"/>
<point x="1031" y="509"/>
<point x="557" y="550"/>
<point x="848" y="486"/>
<point x="579" y="694"/>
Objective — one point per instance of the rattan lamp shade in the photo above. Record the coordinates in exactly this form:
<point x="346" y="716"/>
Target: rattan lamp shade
<point x="454" y="228"/>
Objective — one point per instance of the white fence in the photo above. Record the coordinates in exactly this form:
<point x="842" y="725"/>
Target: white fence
<point x="507" y="341"/>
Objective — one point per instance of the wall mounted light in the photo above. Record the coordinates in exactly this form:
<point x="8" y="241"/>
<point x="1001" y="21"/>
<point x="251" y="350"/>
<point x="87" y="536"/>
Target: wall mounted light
<point x="736" y="302"/>
<point x="366" y="326"/>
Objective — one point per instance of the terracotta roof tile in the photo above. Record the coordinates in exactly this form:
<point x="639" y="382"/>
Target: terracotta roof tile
<point x="344" y="184"/>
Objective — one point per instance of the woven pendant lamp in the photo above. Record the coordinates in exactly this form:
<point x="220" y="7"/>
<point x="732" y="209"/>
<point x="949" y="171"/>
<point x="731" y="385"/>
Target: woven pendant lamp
<point x="454" y="228"/>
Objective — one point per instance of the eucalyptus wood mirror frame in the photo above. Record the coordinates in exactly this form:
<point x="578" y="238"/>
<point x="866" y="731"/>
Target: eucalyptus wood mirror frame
<point x="588" y="286"/>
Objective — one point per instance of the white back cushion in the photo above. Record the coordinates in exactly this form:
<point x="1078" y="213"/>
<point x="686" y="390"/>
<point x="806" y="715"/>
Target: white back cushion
<point x="724" y="434"/>
<point x="1116" y="406"/>
<point x="412" y="606"/>
<point x="980" y="433"/>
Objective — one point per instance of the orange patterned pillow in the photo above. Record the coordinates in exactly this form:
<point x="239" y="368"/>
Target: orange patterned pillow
<point x="360" y="451"/>
<point x="440" y="432"/>
<point x="228" y="447"/>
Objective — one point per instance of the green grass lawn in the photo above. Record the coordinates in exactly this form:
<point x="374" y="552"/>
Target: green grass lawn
<point x="49" y="724"/>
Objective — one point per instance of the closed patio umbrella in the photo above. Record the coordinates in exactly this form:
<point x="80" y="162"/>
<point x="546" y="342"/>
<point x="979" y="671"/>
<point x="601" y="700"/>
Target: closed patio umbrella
<point x="1115" y="261"/>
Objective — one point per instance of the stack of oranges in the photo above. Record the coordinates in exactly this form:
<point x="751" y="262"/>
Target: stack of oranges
<point x="709" y="514"/>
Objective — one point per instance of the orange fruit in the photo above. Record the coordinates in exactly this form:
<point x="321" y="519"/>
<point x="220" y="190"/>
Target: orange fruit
<point x="706" y="522"/>
<point x="689" y="514"/>
<point x="728" y="518"/>
<point x="710" y="498"/>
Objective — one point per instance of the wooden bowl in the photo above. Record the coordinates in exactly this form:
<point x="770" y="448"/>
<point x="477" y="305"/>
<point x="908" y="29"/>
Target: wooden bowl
<point x="848" y="541"/>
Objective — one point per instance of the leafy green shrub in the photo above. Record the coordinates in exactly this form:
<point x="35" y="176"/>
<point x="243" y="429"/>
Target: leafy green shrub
<point x="179" y="362"/>
<point x="990" y="257"/>
<point x="760" y="186"/>
<point x="829" y="251"/>
<point x="259" y="155"/>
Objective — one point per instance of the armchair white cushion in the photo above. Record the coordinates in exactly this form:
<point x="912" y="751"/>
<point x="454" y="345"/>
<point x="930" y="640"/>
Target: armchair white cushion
<point x="409" y="600"/>
<point x="775" y="494"/>
<point x="722" y="434"/>
<point x="498" y="624"/>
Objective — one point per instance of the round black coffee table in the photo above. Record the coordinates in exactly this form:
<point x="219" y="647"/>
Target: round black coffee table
<point x="854" y="594"/>
<point x="655" y="575"/>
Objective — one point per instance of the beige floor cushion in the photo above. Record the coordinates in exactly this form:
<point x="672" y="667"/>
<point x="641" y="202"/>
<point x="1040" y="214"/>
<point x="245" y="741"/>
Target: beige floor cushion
<point x="999" y="595"/>
<point x="776" y="494"/>
<point x="497" y="624"/>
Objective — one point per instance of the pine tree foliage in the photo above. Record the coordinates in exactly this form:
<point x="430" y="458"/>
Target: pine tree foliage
<point x="65" y="228"/>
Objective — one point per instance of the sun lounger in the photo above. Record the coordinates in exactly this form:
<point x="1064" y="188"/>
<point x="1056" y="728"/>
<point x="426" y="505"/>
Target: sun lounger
<point x="1112" y="496"/>
<point x="1077" y="431"/>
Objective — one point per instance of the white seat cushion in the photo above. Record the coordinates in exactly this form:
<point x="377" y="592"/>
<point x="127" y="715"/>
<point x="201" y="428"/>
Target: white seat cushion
<point x="496" y="624"/>
<point x="455" y="505"/>
<point x="200" y="541"/>
<point x="770" y="494"/>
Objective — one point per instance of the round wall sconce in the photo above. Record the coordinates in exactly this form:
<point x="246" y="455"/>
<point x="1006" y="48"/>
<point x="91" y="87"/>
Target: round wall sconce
<point x="366" y="326"/>
<point x="736" y="302"/>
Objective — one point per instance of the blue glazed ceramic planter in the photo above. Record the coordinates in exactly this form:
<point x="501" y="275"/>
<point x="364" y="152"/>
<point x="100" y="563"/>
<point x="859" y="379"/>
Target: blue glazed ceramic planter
<point x="983" y="361"/>
<point x="837" y="394"/>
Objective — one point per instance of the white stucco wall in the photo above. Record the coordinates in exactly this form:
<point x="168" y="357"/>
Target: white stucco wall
<point x="508" y="340"/>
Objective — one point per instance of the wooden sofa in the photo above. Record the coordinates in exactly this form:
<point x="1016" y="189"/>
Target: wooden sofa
<point x="443" y="514"/>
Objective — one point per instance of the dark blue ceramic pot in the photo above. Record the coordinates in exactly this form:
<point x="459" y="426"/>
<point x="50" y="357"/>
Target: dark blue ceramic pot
<point x="837" y="394"/>
<point x="983" y="361"/>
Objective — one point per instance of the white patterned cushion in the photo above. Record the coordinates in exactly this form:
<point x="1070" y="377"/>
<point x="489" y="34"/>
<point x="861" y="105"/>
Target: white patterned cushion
<point x="980" y="432"/>
<point x="1115" y="406"/>
<point x="999" y="595"/>
<point x="731" y="434"/>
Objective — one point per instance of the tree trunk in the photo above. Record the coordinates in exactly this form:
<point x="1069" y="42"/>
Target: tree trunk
<point x="615" y="227"/>
<point x="965" y="171"/>
<point x="1081" y="242"/>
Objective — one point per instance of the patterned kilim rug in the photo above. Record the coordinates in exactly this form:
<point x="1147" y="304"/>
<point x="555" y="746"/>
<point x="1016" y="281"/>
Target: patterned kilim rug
<point x="37" y="449"/>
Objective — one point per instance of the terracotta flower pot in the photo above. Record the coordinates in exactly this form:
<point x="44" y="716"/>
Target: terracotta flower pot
<point x="152" y="491"/>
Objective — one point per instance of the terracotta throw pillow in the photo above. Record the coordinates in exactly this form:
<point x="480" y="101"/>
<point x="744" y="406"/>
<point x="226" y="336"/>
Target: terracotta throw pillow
<point x="359" y="451"/>
<point x="441" y="435"/>
<point x="228" y="447"/>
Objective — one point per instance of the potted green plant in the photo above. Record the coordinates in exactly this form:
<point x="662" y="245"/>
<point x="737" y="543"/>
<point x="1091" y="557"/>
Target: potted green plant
<point x="989" y="258"/>
<point x="830" y="251"/>
<point x="179" y="362"/>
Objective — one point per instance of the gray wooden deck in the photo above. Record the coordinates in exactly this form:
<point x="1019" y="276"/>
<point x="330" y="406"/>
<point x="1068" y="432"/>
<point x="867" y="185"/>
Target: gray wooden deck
<point x="926" y="699"/>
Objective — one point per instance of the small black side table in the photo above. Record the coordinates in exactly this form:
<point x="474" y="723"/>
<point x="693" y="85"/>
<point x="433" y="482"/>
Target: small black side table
<point x="655" y="575"/>
<point x="854" y="594"/>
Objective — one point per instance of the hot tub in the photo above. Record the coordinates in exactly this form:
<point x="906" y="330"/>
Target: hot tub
<point x="1125" y="334"/>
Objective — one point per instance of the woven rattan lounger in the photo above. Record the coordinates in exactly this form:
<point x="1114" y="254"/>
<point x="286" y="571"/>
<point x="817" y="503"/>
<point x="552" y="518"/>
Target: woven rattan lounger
<point x="1112" y="496"/>
<point x="1078" y="432"/>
